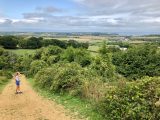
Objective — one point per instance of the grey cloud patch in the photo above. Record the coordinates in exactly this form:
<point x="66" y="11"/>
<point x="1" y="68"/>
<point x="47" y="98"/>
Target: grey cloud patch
<point x="36" y="15"/>
<point x="48" y="9"/>
<point x="131" y="14"/>
<point x="5" y="22"/>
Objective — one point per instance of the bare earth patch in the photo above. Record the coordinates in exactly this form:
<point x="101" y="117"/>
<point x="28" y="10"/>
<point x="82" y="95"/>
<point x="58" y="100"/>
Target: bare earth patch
<point x="29" y="105"/>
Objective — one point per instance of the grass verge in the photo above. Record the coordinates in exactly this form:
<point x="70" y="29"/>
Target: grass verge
<point x="77" y="107"/>
<point x="3" y="82"/>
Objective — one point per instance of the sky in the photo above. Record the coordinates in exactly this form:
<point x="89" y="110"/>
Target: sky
<point x="111" y="16"/>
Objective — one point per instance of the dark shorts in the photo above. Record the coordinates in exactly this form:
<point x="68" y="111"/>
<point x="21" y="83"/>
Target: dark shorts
<point x="17" y="83"/>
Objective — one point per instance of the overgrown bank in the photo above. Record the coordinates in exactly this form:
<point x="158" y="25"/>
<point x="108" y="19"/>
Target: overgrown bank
<point x="4" y="79"/>
<point x="77" y="107"/>
<point x="113" y="83"/>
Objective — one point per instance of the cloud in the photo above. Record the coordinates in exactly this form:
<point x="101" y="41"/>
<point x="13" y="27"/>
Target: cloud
<point x="126" y="14"/>
<point x="97" y="15"/>
<point x="48" y="9"/>
<point x="5" y="22"/>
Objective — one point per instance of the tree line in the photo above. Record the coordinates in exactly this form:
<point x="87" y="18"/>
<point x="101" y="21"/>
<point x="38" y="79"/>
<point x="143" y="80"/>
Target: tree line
<point x="13" y="42"/>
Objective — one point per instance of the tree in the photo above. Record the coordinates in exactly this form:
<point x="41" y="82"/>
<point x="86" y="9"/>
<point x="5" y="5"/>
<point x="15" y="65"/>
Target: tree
<point x="73" y="43"/>
<point x="55" y="42"/>
<point x="31" y="43"/>
<point x="8" y="42"/>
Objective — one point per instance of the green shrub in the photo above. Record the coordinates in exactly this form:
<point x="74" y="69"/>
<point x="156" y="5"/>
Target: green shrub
<point x="7" y="59"/>
<point x="1" y="51"/>
<point x="73" y="79"/>
<point x="5" y="73"/>
<point x="78" y="55"/>
<point x="138" y="61"/>
<point x="38" y="53"/>
<point x="53" y="59"/>
<point x="82" y="57"/>
<point x="3" y="80"/>
<point x="36" y="66"/>
<point x="103" y="66"/>
<point x="50" y="51"/>
<point x="62" y="78"/>
<point x="45" y="54"/>
<point x="135" y="101"/>
<point x="68" y="54"/>
<point x="103" y="49"/>
<point x="23" y="63"/>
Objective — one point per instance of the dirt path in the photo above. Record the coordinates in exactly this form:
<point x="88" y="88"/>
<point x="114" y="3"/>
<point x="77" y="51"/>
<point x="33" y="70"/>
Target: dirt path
<point x="28" y="106"/>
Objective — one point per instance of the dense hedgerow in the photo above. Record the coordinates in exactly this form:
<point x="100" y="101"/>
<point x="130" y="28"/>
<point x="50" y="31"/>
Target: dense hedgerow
<point x="61" y="78"/>
<point x="134" y="101"/>
<point x="138" y="61"/>
<point x="73" y="79"/>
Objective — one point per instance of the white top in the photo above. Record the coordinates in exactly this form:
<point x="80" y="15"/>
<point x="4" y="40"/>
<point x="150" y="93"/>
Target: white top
<point x="17" y="78"/>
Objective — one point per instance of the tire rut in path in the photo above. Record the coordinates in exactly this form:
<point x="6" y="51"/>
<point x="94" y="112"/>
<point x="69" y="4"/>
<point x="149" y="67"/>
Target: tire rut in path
<point x="29" y="105"/>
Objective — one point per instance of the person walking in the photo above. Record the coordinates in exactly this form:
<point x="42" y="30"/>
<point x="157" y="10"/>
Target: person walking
<point x="17" y="81"/>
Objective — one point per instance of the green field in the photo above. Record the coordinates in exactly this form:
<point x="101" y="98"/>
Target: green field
<point x="22" y="51"/>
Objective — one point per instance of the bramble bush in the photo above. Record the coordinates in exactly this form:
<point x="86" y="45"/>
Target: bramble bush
<point x="23" y="63"/>
<point x="7" y="59"/>
<point x="36" y="66"/>
<point x="38" y="53"/>
<point x="51" y="51"/>
<point x="134" y="101"/>
<point x="6" y="73"/>
<point x="61" y="78"/>
<point x="103" y="66"/>
<point x="138" y="61"/>
<point x="50" y="54"/>
<point x="78" y="55"/>
<point x="4" y="77"/>
<point x="73" y="79"/>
